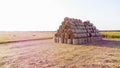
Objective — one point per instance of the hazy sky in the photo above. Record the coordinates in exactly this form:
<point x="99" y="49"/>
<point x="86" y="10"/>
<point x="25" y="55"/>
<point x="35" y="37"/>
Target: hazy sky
<point x="47" y="15"/>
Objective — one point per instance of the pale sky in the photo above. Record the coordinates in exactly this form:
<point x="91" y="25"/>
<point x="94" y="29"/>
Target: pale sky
<point x="47" y="15"/>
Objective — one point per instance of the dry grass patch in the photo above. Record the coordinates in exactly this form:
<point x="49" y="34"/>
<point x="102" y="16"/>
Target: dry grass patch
<point x="47" y="54"/>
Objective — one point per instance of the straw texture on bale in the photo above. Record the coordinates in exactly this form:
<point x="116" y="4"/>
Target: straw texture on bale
<point x="74" y="31"/>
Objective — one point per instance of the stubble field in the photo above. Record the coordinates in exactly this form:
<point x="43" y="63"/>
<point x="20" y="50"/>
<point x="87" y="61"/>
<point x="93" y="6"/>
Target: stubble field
<point x="44" y="53"/>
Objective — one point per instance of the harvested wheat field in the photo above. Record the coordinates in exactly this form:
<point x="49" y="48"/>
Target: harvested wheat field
<point x="44" y="53"/>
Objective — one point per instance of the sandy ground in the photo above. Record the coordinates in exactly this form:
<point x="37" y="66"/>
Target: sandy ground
<point x="47" y="54"/>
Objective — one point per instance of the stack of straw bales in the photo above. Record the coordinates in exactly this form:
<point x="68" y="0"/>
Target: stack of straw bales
<point x="74" y="31"/>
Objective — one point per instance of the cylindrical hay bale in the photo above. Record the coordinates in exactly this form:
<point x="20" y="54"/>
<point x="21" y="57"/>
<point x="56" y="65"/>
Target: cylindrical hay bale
<point x="55" y="39"/>
<point x="73" y="30"/>
<point x="72" y="27"/>
<point x="95" y="39"/>
<point x="79" y="35"/>
<point x="92" y="34"/>
<point x="75" y="35"/>
<point x="69" y="41"/>
<point x="62" y="35"/>
<point x="85" y="30"/>
<point x="80" y="41"/>
<point x="79" y="30"/>
<point x="84" y="41"/>
<point x="66" y="23"/>
<point x="97" y="34"/>
<point x="66" y="36"/>
<point x="61" y="40"/>
<point x="75" y="41"/>
<point x="85" y="35"/>
<point x="63" y="23"/>
<point x="92" y="39"/>
<point x="71" y="37"/>
<point x="66" y="19"/>
<point x="100" y="37"/>
<point x="76" y="30"/>
<point x="79" y="27"/>
<point x="88" y="39"/>
<point x="65" y="41"/>
<point x="80" y="21"/>
<point x="71" y="23"/>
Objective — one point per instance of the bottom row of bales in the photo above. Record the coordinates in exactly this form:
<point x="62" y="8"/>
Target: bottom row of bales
<point x="77" y="41"/>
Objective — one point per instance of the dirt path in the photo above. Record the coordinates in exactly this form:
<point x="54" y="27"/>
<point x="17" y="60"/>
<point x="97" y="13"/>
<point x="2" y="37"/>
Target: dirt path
<point x="46" y="54"/>
<point x="11" y="52"/>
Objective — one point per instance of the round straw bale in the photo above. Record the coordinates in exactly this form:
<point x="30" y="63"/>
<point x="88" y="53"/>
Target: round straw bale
<point x="75" y="41"/>
<point x="73" y="30"/>
<point x="69" y="41"/>
<point x="60" y="27"/>
<point x="63" y="26"/>
<point x="80" y="21"/>
<point x="69" y="31"/>
<point x="88" y="39"/>
<point x="56" y="39"/>
<point x="65" y="30"/>
<point x="91" y="24"/>
<point x="55" y="35"/>
<point x="79" y="41"/>
<point x="75" y="35"/>
<point x="65" y="40"/>
<point x="58" y="31"/>
<point x="66" y="26"/>
<point x="61" y="40"/>
<point x="84" y="40"/>
<point x="63" y="23"/>
<point x="62" y="35"/>
<point x="86" y="23"/>
<point x="71" y="23"/>
<point x="67" y="23"/>
<point x="71" y="36"/>
<point x="79" y="35"/>
<point x="61" y="30"/>
<point x="66" y="35"/>
<point x="66" y="19"/>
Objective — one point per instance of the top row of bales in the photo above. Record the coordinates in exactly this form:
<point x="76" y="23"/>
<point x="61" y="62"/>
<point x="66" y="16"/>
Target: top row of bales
<point x="74" y="31"/>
